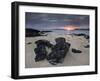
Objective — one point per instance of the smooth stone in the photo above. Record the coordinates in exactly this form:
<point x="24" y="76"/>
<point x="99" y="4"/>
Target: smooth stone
<point x="76" y="51"/>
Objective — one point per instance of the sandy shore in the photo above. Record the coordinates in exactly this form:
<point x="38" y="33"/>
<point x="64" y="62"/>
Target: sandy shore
<point x="72" y="59"/>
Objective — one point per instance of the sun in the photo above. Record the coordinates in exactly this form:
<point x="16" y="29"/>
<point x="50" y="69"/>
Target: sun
<point x="70" y="27"/>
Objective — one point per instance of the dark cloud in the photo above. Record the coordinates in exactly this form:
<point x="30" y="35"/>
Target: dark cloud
<point x="47" y="20"/>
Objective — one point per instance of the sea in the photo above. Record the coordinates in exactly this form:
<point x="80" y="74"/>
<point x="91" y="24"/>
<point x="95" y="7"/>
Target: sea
<point x="86" y="32"/>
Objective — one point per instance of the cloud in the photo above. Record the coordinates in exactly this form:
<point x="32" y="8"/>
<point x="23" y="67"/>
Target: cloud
<point x="47" y="20"/>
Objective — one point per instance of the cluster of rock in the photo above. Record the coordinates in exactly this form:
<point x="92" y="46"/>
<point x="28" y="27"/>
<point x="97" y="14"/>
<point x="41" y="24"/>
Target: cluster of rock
<point x="81" y="34"/>
<point x="34" y="33"/>
<point x="85" y="36"/>
<point x="58" y="51"/>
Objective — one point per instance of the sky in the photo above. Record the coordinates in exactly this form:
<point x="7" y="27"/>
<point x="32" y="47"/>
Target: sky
<point x="46" y="21"/>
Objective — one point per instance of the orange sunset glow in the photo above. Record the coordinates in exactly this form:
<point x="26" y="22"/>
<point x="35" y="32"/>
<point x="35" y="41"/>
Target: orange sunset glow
<point x="70" y="27"/>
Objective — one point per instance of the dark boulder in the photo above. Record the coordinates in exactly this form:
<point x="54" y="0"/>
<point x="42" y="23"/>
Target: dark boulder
<point x="76" y="51"/>
<point x="29" y="43"/>
<point x="86" y="36"/>
<point x="87" y="46"/>
<point x="40" y="50"/>
<point x="44" y="42"/>
<point x="31" y="32"/>
<point x="59" y="51"/>
<point x="60" y="40"/>
<point x="81" y="34"/>
<point x="56" y="57"/>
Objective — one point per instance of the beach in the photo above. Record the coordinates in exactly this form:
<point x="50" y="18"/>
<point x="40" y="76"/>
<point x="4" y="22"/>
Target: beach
<point x="71" y="59"/>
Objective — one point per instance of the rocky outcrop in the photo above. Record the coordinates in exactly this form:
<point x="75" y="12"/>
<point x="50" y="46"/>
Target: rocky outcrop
<point x="40" y="50"/>
<point x="33" y="33"/>
<point x="81" y="34"/>
<point x="59" y="51"/>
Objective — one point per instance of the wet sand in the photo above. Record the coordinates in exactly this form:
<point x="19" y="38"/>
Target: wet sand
<point x="71" y="59"/>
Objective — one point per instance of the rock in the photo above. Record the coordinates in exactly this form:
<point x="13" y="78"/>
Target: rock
<point x="87" y="46"/>
<point x="59" y="51"/>
<point x="81" y="34"/>
<point x="60" y="40"/>
<point x="44" y="42"/>
<point x="31" y="32"/>
<point x="86" y="36"/>
<point x="76" y="51"/>
<point x="40" y="52"/>
<point x="56" y="57"/>
<point x="29" y="43"/>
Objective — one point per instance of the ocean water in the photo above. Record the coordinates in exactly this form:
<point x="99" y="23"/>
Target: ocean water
<point x="71" y="32"/>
